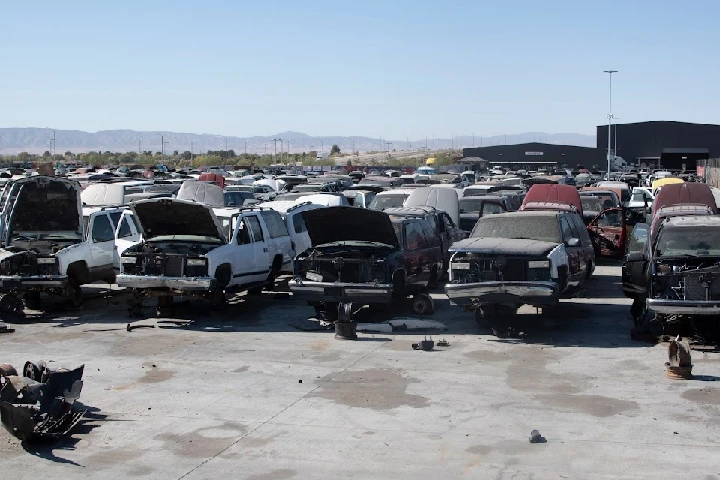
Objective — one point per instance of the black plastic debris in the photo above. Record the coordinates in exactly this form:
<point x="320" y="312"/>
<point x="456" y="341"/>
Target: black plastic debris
<point x="535" y="437"/>
<point x="40" y="405"/>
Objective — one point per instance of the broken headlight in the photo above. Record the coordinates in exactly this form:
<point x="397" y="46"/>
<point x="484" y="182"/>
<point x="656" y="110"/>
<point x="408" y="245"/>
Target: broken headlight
<point x="128" y="259"/>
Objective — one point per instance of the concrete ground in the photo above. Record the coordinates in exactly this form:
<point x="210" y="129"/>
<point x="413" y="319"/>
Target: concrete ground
<point x="244" y="394"/>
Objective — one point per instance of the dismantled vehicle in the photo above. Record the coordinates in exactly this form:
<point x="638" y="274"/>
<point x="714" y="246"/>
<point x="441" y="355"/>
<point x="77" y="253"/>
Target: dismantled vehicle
<point x="446" y="229"/>
<point x="186" y="251"/>
<point x="677" y="272"/>
<point x="512" y="259"/>
<point x="55" y="250"/>
<point x="40" y="403"/>
<point x="362" y="257"/>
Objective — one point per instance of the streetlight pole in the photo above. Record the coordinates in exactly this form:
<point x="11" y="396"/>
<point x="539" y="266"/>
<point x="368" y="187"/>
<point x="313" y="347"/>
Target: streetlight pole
<point x="53" y="149"/>
<point x="246" y="147"/>
<point x="610" y="117"/>
<point x="226" y="151"/>
<point x="275" y="140"/>
<point x="162" y="148"/>
<point x="192" y="151"/>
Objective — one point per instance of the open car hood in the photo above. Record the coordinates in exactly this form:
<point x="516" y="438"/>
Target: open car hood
<point x="348" y="224"/>
<point x="164" y="216"/>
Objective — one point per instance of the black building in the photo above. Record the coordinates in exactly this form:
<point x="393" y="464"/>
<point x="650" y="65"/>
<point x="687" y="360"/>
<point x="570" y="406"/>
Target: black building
<point x="671" y="145"/>
<point x="533" y="156"/>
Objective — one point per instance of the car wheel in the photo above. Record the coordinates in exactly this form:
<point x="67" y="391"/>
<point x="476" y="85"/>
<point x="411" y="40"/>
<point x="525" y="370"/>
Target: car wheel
<point x="10" y="304"/>
<point x="423" y="304"/>
<point x="73" y="293"/>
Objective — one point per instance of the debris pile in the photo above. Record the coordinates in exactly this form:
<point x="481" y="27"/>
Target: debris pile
<point x="40" y="404"/>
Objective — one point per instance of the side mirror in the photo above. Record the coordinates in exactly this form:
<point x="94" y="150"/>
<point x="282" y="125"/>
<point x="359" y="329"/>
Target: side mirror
<point x="572" y="242"/>
<point x="636" y="257"/>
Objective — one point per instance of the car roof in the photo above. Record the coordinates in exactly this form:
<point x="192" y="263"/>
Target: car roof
<point x="693" y="221"/>
<point x="527" y="213"/>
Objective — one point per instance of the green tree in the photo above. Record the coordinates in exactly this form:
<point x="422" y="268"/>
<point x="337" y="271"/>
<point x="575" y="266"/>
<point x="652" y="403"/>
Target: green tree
<point x="335" y="150"/>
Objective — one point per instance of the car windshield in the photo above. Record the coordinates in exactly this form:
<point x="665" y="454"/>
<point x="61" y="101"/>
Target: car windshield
<point x="688" y="241"/>
<point x="471" y="205"/>
<point x="591" y="204"/>
<point x="606" y="199"/>
<point x="381" y="202"/>
<point x="542" y="227"/>
<point x="638" y="196"/>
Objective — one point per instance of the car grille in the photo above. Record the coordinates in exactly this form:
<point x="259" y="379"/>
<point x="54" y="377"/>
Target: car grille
<point x="345" y="270"/>
<point x="702" y="286"/>
<point x="164" y="266"/>
<point x="488" y="269"/>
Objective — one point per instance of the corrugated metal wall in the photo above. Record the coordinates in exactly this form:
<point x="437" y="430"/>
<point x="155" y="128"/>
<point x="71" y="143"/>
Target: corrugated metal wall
<point x="712" y="172"/>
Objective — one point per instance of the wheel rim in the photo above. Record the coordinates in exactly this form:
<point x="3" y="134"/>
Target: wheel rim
<point x="420" y="306"/>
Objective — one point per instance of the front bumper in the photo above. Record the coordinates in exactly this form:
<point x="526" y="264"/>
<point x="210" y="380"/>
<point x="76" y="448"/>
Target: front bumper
<point x="362" y="293"/>
<point x="17" y="282"/>
<point x="684" y="307"/>
<point x="173" y="283"/>
<point x="531" y="293"/>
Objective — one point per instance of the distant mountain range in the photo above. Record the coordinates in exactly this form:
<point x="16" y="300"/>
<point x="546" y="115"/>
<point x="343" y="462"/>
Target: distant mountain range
<point x="38" y="140"/>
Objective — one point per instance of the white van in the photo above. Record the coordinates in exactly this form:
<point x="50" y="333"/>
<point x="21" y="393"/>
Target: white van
<point x="291" y="213"/>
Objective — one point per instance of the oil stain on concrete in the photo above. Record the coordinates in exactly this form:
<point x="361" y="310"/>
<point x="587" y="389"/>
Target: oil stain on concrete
<point x="528" y="372"/>
<point x="703" y="395"/>
<point x="280" y="474"/>
<point x="378" y="389"/>
<point x="203" y="442"/>
<point x="154" y="374"/>
<point x="595" y="405"/>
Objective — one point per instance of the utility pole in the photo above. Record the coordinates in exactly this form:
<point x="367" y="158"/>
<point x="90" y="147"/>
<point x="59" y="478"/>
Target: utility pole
<point x="162" y="148"/>
<point x="246" y="147"/>
<point x="226" y="151"/>
<point x="275" y="140"/>
<point x="425" y="142"/>
<point x="192" y="151"/>
<point x="610" y="117"/>
<point x="473" y="140"/>
<point x="388" y="147"/>
<point x="408" y="143"/>
<point x="139" y="148"/>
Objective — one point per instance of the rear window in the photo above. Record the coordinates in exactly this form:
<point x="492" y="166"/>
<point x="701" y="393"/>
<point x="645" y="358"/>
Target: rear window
<point x="544" y="228"/>
<point x="381" y="202"/>
<point x="276" y="225"/>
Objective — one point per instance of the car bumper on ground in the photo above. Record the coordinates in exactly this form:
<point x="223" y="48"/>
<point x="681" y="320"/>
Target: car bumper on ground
<point x="362" y="293"/>
<point x="531" y="293"/>
<point x="174" y="283"/>
<point x="16" y="282"/>
<point x="684" y="307"/>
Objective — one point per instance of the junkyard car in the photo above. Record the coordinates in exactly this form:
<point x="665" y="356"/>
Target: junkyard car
<point x="446" y="229"/>
<point x="49" y="247"/>
<point x="678" y="271"/>
<point x="359" y="256"/>
<point x="527" y="257"/>
<point x="185" y="251"/>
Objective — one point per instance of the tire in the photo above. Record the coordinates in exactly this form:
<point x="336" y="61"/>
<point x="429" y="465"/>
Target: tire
<point x="423" y="305"/>
<point x="32" y="300"/>
<point x="10" y="304"/>
<point x="73" y="293"/>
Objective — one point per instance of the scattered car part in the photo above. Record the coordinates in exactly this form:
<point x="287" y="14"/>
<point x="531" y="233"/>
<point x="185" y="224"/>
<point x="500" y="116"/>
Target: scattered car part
<point x="535" y="437"/>
<point x="130" y="327"/>
<point x="680" y="365"/>
<point x="425" y="345"/>
<point x="41" y="409"/>
<point x="443" y="343"/>
<point x="345" y="327"/>
<point x="5" y="329"/>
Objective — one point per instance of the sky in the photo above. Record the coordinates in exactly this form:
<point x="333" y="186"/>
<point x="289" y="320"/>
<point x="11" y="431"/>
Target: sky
<point x="376" y="68"/>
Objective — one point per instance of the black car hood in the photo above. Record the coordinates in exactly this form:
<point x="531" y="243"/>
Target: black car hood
<point x="164" y="216"/>
<point x="347" y="224"/>
<point x="504" y="246"/>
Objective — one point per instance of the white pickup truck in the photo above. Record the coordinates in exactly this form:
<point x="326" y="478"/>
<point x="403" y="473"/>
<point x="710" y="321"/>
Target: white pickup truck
<point x="187" y="251"/>
<point x="48" y="245"/>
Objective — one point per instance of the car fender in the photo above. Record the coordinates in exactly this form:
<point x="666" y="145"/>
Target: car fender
<point x="73" y="253"/>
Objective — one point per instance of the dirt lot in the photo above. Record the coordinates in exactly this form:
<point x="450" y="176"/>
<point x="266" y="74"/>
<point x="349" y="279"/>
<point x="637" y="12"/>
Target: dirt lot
<point x="245" y="394"/>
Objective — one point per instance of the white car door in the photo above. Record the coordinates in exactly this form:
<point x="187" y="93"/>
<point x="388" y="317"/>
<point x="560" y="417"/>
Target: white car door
<point x="242" y="254"/>
<point x="126" y="235"/>
<point x="261" y="259"/>
<point x="102" y="246"/>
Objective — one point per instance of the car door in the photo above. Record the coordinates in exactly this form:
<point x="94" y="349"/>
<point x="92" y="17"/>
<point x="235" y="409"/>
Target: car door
<point x="242" y="252"/>
<point x="634" y="268"/>
<point x="573" y="247"/>
<point x="102" y="247"/>
<point x="261" y="259"/>
<point x="607" y="232"/>
<point x="126" y="235"/>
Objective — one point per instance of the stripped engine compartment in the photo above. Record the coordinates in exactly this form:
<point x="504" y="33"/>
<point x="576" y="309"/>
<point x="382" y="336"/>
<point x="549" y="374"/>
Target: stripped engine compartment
<point x="687" y="279"/>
